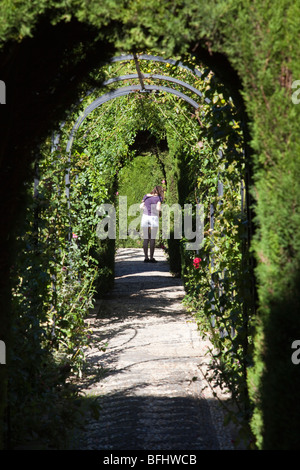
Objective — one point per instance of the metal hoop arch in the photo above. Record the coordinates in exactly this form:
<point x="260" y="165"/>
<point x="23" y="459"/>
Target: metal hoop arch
<point x="154" y="58"/>
<point x="134" y="88"/>
<point x="158" y="77"/>
<point x="122" y="92"/>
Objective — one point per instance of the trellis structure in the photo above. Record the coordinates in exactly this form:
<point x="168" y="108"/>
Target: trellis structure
<point x="139" y="88"/>
<point x="143" y="88"/>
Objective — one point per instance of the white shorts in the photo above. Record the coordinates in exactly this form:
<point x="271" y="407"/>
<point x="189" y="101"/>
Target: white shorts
<point x="149" y="221"/>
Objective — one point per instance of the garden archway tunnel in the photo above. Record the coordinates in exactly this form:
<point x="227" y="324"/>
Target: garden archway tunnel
<point x="98" y="102"/>
<point x="142" y="89"/>
<point x="31" y="110"/>
<point x="43" y="76"/>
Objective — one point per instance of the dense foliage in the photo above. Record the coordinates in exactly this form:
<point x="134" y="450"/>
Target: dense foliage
<point x="253" y="47"/>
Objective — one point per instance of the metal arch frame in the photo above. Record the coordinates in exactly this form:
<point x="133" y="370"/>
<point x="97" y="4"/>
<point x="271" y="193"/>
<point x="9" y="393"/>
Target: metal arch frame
<point x="146" y="88"/>
<point x="153" y="58"/>
<point x="122" y="92"/>
<point x="134" y="88"/>
<point x="158" y="77"/>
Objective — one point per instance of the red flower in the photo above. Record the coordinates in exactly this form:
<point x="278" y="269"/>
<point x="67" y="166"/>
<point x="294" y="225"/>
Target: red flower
<point x="74" y="235"/>
<point x="197" y="262"/>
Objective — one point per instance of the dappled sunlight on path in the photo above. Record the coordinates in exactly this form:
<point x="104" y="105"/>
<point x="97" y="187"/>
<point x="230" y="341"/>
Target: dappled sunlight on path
<point x="148" y="379"/>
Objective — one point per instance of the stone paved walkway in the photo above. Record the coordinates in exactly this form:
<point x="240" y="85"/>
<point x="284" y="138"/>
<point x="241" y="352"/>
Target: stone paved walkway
<point x="148" y="379"/>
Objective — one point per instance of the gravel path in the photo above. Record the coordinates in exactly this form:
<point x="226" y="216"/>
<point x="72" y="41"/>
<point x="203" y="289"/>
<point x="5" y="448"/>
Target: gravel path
<point x="148" y="379"/>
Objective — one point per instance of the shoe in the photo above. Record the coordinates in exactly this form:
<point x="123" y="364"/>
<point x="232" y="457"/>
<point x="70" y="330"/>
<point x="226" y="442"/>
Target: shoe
<point x="153" y="260"/>
<point x="146" y="260"/>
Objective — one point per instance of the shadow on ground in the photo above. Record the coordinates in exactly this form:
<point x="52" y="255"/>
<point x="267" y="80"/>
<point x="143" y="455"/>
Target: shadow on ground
<point x="150" y="423"/>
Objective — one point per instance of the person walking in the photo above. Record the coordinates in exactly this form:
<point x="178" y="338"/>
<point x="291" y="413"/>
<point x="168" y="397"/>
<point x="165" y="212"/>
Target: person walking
<point x="151" y="205"/>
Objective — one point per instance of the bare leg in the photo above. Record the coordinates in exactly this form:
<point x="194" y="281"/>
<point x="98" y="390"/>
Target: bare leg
<point x="152" y="241"/>
<point x="145" y="247"/>
<point x="152" y="248"/>
<point x="146" y="241"/>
